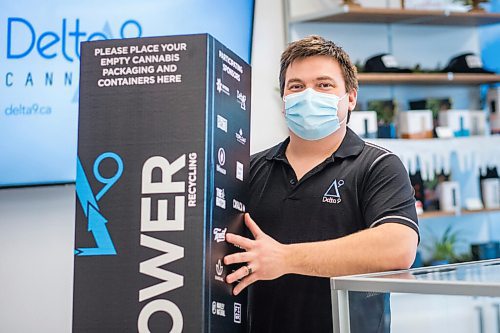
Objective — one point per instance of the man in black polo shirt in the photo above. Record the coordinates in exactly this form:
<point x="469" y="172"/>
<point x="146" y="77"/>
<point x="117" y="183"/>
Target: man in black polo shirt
<point x="322" y="203"/>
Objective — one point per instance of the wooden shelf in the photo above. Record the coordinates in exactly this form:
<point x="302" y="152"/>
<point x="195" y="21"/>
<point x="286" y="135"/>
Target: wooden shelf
<point x="358" y="14"/>
<point x="435" y="214"/>
<point x="427" y="78"/>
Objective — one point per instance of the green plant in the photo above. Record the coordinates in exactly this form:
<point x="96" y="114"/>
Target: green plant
<point x="386" y="110"/>
<point x="473" y="3"/>
<point x="438" y="104"/>
<point x="351" y="2"/>
<point x="443" y="248"/>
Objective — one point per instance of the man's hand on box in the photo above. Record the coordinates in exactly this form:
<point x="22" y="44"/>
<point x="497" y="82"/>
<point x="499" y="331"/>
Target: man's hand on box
<point x="264" y="257"/>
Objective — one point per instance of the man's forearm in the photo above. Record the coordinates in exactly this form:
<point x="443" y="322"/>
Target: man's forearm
<point x="390" y="246"/>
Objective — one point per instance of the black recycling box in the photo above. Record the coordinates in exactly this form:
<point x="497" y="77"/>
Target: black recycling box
<point x="163" y="160"/>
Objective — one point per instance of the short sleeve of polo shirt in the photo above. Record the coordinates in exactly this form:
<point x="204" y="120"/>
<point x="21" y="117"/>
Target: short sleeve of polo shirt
<point x="387" y="194"/>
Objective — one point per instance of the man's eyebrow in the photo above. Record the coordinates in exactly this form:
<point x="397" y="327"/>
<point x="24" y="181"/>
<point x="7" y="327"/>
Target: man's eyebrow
<point x="294" y="80"/>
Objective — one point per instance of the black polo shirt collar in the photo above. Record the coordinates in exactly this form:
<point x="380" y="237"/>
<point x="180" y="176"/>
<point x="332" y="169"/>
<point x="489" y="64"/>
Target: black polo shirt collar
<point x="352" y="145"/>
<point x="278" y="151"/>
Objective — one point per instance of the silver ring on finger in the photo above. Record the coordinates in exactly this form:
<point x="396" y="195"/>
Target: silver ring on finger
<point x="249" y="269"/>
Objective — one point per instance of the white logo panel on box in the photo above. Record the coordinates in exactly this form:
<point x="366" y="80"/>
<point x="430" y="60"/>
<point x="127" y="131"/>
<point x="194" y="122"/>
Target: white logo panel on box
<point x="238" y="205"/>
<point x="237" y="313"/>
<point x="220" y="199"/>
<point x="240" y="137"/>
<point x="219" y="234"/>
<point x="239" y="170"/>
<point x="221" y="158"/>
<point x="219" y="269"/>
<point x="222" y="123"/>
<point x="218" y="309"/>
<point x="241" y="99"/>
<point x="221" y="87"/>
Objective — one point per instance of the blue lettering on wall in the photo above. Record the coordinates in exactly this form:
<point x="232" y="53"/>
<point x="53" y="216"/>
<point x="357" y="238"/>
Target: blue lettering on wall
<point x="10" y="21"/>
<point x="77" y="34"/>
<point x="41" y="46"/>
<point x="77" y="26"/>
<point x="129" y="22"/>
<point x="49" y="78"/>
<point x="24" y="39"/>
<point x="8" y="79"/>
<point x="29" y="80"/>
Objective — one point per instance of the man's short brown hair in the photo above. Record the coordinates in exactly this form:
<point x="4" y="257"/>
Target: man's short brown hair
<point x="316" y="46"/>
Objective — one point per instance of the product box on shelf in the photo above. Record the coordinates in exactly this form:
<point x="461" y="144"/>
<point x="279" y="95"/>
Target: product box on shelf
<point x="493" y="101"/>
<point x="415" y="124"/>
<point x="477" y="122"/>
<point x="490" y="189"/>
<point x="485" y="251"/>
<point x="449" y="5"/>
<point x="449" y="196"/>
<point x="464" y="122"/>
<point x="364" y="123"/>
<point x="459" y="121"/>
<point x="396" y="4"/>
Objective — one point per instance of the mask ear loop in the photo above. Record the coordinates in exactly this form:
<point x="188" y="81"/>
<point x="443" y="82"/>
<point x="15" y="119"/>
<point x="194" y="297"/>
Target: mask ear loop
<point x="347" y="114"/>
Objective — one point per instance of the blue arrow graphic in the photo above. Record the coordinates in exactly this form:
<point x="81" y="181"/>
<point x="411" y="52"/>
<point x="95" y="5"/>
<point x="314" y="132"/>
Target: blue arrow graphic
<point x="96" y="221"/>
<point x="97" y="225"/>
<point x="83" y="190"/>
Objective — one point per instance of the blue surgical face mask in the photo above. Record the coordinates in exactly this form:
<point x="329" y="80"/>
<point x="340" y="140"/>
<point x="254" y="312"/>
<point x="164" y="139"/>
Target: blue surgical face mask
<point x="312" y="115"/>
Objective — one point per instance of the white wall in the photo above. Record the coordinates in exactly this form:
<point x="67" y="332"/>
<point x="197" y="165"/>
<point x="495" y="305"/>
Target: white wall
<point x="268" y="126"/>
<point x="36" y="259"/>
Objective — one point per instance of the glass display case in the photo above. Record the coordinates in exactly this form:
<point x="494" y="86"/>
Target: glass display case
<point x="450" y="298"/>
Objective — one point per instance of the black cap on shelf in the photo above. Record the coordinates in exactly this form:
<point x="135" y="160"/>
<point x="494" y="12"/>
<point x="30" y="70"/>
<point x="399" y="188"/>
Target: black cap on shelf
<point x="466" y="63"/>
<point x="384" y="63"/>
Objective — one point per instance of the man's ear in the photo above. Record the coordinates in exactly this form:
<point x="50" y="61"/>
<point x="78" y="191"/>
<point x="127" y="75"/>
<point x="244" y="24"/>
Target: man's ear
<point x="353" y="98"/>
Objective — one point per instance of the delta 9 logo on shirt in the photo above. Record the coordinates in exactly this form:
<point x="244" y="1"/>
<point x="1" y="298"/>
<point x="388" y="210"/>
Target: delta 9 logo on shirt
<point x="332" y="194"/>
<point x="96" y="222"/>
